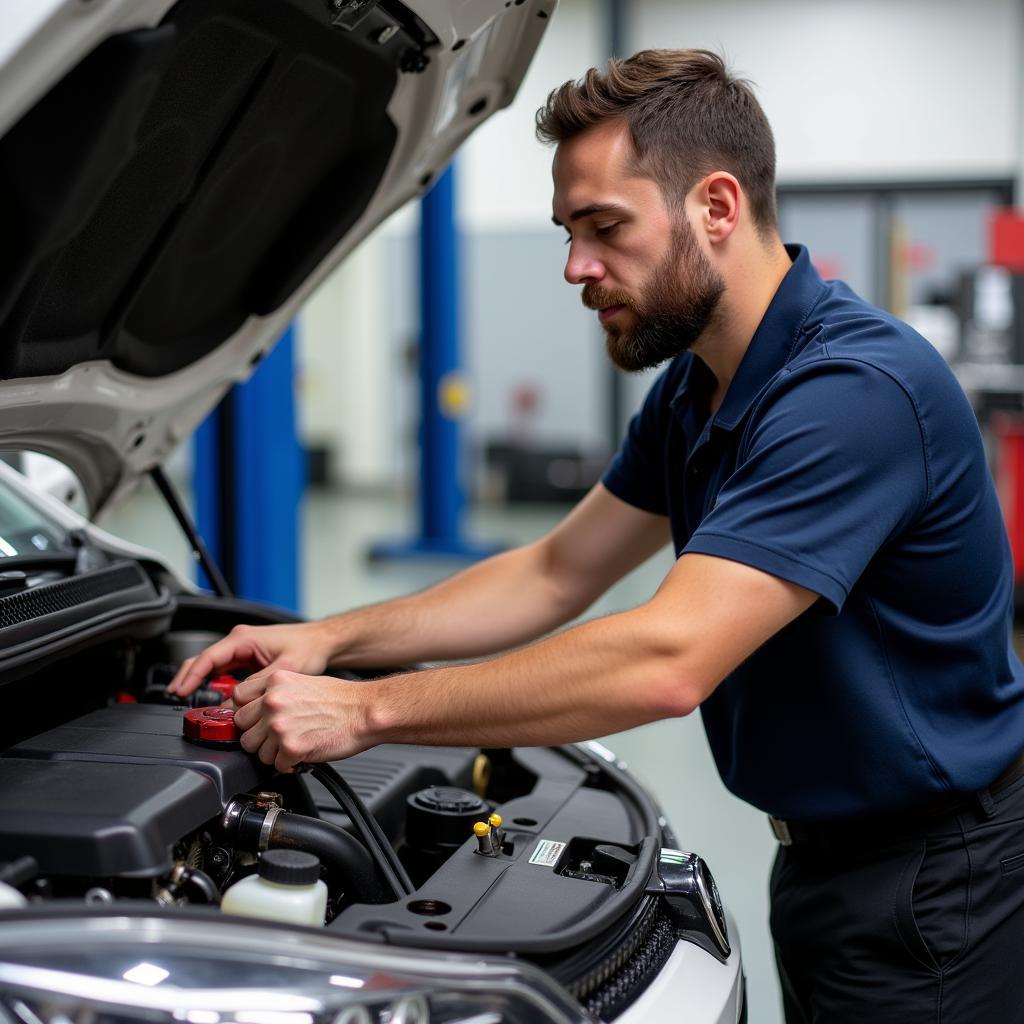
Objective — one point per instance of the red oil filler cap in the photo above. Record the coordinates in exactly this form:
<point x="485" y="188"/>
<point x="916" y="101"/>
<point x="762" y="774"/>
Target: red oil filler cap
<point x="211" y="726"/>
<point x="224" y="685"/>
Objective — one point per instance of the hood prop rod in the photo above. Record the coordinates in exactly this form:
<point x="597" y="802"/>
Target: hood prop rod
<point x="199" y="550"/>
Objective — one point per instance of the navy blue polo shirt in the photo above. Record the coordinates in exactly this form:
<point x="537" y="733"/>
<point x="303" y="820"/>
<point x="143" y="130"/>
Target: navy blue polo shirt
<point x="844" y="458"/>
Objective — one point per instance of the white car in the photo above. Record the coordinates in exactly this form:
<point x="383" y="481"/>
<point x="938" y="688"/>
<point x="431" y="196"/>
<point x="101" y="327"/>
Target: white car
<point x="176" y="178"/>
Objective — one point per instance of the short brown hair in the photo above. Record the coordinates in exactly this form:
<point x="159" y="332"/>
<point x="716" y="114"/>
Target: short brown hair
<point x="687" y="116"/>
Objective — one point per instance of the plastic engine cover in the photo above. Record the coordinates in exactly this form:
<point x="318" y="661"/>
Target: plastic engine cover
<point x="111" y="792"/>
<point x="69" y="798"/>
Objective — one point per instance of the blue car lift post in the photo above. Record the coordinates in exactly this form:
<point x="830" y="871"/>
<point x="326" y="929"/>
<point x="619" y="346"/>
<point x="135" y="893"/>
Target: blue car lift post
<point x="443" y="391"/>
<point x="248" y="476"/>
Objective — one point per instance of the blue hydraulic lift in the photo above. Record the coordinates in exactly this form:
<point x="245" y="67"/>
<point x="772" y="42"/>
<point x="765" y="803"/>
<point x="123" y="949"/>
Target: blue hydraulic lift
<point x="249" y="476"/>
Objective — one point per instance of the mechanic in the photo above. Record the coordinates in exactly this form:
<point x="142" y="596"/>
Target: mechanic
<point x="840" y="606"/>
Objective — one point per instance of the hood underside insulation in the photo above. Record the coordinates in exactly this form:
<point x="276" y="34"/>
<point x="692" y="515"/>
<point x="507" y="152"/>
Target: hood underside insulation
<point x="182" y="178"/>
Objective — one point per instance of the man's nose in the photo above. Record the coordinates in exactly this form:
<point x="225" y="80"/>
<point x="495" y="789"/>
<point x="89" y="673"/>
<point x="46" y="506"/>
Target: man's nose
<point x="581" y="267"/>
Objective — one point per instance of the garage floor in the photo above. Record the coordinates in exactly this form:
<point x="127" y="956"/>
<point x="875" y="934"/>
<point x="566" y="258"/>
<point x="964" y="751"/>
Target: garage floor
<point x="671" y="758"/>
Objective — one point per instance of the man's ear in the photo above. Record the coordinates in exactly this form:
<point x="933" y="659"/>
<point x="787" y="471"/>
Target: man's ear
<point x="721" y="197"/>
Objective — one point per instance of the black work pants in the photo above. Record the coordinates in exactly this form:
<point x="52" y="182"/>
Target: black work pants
<point x="927" y="929"/>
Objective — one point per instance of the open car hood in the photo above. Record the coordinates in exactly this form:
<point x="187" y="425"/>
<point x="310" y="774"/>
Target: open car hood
<point x="176" y="178"/>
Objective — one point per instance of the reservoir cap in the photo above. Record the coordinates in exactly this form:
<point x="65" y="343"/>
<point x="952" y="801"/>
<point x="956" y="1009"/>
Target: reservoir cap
<point x="289" y="867"/>
<point x="441" y="816"/>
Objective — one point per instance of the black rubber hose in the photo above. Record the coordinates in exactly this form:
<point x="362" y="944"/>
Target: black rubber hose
<point x="376" y="842"/>
<point x="199" y="886"/>
<point x="343" y="855"/>
<point x="366" y="824"/>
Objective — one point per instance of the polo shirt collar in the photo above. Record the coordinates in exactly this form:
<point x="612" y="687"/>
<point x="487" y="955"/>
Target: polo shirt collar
<point x="775" y="339"/>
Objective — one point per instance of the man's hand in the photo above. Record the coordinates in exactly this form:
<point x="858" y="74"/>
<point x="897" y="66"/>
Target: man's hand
<point x="298" y="647"/>
<point x="290" y="718"/>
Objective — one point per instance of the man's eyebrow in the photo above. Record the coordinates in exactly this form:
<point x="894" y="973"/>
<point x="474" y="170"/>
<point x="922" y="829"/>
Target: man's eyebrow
<point x="586" y="211"/>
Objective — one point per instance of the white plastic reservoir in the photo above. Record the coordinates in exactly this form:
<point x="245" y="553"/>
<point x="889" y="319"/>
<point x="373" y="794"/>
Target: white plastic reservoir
<point x="287" y="888"/>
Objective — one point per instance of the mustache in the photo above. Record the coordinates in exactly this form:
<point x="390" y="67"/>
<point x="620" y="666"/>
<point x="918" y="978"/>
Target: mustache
<point x="596" y="297"/>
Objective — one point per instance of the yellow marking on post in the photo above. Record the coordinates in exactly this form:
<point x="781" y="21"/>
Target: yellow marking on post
<point x="454" y="395"/>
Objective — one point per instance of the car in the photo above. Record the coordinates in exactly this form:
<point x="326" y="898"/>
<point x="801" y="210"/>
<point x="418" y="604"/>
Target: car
<point x="177" y="177"/>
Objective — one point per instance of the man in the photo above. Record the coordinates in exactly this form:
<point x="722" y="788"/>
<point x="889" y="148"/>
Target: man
<point x="840" y="607"/>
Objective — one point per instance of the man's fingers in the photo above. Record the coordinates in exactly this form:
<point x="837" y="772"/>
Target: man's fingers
<point x="274" y="675"/>
<point x="181" y="676"/>
<point x="255" y="733"/>
<point x="224" y="656"/>
<point x="248" y="714"/>
<point x="267" y="752"/>
<point x="192" y="673"/>
<point x="249" y="689"/>
<point x="286" y="762"/>
<point x="262" y="740"/>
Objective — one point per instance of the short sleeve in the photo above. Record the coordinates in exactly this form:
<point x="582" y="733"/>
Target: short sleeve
<point x="637" y="473"/>
<point x="833" y="465"/>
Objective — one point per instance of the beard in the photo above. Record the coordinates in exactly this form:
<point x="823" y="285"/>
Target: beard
<point x="674" y="308"/>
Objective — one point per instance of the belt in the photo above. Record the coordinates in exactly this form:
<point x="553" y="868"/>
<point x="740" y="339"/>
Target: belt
<point x="888" y="827"/>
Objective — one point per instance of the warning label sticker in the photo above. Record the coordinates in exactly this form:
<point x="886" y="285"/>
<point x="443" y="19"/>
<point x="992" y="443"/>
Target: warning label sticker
<point x="547" y="853"/>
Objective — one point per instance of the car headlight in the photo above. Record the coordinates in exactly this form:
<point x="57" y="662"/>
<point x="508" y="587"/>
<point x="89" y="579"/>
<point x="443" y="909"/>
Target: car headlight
<point x="122" y="969"/>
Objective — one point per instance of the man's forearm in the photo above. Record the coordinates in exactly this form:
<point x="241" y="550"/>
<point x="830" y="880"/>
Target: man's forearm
<point x="658" y="661"/>
<point x="600" y="677"/>
<point x="499" y="603"/>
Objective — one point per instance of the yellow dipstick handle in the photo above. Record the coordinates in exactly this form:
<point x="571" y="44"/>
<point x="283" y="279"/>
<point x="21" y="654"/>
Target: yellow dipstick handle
<point x="482" y="831"/>
<point x="495" y="820"/>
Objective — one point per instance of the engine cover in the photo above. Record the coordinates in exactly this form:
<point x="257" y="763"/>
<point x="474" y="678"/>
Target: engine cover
<point x="68" y="798"/>
<point x="111" y="792"/>
<point x="96" y="819"/>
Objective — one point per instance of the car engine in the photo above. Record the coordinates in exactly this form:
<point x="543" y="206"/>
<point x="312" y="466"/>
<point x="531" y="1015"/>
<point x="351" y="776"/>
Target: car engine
<point x="110" y="790"/>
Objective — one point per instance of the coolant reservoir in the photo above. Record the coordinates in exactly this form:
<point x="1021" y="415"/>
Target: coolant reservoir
<point x="287" y="888"/>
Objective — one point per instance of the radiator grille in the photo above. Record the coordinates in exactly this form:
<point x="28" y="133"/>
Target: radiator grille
<point x="607" y="989"/>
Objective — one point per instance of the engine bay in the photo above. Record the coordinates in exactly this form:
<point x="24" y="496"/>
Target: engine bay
<point x="109" y="794"/>
<point x="117" y="803"/>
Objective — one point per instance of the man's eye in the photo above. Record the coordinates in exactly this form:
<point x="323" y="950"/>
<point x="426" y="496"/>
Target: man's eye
<point x="605" y="232"/>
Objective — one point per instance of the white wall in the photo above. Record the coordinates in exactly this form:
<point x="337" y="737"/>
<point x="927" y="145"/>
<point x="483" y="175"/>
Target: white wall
<point x="854" y="89"/>
<point x="867" y="89"/>
<point x="345" y="364"/>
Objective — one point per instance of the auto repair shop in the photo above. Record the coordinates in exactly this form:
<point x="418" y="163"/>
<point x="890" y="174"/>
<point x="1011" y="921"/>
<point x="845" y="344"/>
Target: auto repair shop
<point x="438" y="394"/>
